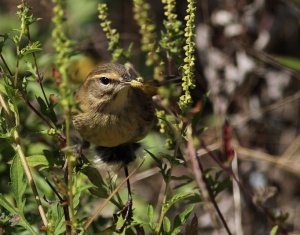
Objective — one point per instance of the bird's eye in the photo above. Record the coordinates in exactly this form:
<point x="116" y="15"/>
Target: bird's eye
<point x="104" y="80"/>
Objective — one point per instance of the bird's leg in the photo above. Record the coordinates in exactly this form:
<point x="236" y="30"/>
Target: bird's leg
<point x="126" y="211"/>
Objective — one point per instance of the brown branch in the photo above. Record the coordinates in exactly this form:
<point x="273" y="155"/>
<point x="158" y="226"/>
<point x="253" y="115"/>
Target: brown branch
<point x="201" y="181"/>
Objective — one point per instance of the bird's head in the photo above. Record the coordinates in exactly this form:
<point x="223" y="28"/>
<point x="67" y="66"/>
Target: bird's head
<point x="107" y="87"/>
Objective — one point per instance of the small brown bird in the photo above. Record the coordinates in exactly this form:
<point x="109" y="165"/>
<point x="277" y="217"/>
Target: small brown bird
<point x="116" y="111"/>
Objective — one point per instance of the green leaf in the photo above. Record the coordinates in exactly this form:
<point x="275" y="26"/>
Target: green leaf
<point x="274" y="230"/>
<point x="56" y="220"/>
<point x="5" y="135"/>
<point x="18" y="183"/>
<point x="175" y="199"/>
<point x="182" y="217"/>
<point x="4" y="203"/>
<point x="14" y="211"/>
<point x="290" y="62"/>
<point x="166" y="224"/>
<point x="150" y="212"/>
<point x="31" y="48"/>
<point x="38" y="160"/>
<point x="100" y="189"/>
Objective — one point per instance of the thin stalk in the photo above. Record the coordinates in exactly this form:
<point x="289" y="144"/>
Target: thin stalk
<point x="6" y="65"/>
<point x="30" y="179"/>
<point x="66" y="196"/>
<point x="70" y="192"/>
<point x="18" y="58"/>
<point x="198" y="174"/>
<point x="19" y="150"/>
<point x="39" y="78"/>
<point x="162" y="212"/>
<point x="212" y="198"/>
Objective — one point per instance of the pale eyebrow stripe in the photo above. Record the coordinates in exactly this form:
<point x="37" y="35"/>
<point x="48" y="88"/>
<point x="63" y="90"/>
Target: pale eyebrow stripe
<point x="112" y="76"/>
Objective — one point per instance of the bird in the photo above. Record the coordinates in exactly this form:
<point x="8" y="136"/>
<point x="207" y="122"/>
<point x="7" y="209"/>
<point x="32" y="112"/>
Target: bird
<point x="115" y="112"/>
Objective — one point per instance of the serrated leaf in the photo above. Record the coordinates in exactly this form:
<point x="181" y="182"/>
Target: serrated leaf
<point x="14" y="211"/>
<point x="18" y="184"/>
<point x="186" y="213"/>
<point x="55" y="217"/>
<point x="175" y="199"/>
<point x="31" y="48"/>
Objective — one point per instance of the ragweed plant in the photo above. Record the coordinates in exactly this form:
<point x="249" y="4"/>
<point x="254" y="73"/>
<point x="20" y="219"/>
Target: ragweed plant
<point x="113" y="37"/>
<point x="44" y="142"/>
<point x="189" y="59"/>
<point x="172" y="37"/>
<point x="62" y="45"/>
<point x="149" y="41"/>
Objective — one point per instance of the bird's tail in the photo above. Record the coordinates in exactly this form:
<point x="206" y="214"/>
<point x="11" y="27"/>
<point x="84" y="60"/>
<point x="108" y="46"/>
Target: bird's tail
<point x="122" y="154"/>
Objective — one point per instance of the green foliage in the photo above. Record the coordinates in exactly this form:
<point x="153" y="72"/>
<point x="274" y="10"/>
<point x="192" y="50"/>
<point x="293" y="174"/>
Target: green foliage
<point x="37" y="128"/>
<point x="18" y="187"/>
<point x="290" y="62"/>
<point x="274" y="230"/>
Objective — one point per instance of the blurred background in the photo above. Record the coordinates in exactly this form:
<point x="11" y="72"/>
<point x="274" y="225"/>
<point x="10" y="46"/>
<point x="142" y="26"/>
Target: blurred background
<point x="248" y="59"/>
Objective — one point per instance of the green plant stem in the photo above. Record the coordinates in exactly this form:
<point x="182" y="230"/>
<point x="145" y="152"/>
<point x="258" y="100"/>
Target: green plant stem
<point x="19" y="150"/>
<point x="30" y="179"/>
<point x="39" y="78"/>
<point x="18" y="57"/>
<point x="70" y="193"/>
<point x="162" y="212"/>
